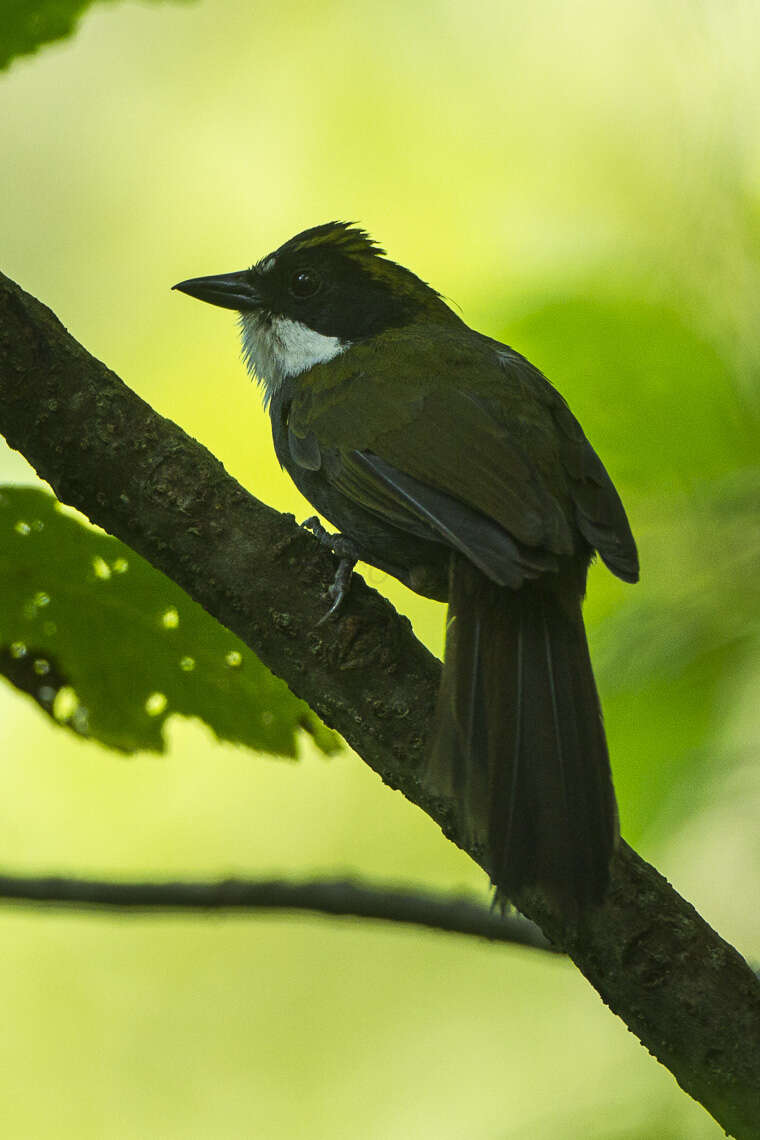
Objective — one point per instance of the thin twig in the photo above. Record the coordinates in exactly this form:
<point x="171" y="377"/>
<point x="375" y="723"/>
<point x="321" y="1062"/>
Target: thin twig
<point x="455" y="915"/>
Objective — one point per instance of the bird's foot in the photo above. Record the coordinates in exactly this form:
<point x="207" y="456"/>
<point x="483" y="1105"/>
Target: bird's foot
<point x="347" y="553"/>
<point x="313" y="524"/>
<point x="338" y="590"/>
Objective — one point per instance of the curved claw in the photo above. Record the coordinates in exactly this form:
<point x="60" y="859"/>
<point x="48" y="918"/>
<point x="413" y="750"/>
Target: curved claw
<point x="346" y="551"/>
<point x="341" y="584"/>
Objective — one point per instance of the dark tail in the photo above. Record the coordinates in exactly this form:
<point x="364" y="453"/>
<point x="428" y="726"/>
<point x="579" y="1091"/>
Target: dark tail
<point x="519" y="740"/>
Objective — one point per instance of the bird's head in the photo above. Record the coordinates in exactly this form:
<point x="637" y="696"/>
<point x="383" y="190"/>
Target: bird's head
<point x="315" y="297"/>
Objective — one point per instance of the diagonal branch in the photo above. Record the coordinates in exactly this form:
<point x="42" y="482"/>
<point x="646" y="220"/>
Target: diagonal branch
<point x="687" y="994"/>
<point x="344" y="897"/>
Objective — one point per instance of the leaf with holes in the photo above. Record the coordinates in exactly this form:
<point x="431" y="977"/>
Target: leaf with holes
<point x="109" y="647"/>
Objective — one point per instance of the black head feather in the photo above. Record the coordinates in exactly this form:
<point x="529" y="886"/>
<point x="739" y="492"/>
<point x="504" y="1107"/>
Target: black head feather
<point x="336" y="280"/>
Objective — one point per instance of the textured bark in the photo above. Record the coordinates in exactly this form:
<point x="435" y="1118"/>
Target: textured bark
<point x="688" y="995"/>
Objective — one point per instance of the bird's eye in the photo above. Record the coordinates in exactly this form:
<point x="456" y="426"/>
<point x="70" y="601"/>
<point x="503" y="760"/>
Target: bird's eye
<point x="305" y="283"/>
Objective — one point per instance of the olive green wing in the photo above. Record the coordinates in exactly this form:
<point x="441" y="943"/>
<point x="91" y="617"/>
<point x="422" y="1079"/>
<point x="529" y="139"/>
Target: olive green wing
<point x="494" y="451"/>
<point x="429" y="455"/>
<point x="418" y="508"/>
<point x="599" y="511"/>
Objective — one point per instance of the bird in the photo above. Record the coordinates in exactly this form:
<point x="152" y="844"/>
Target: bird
<point x="446" y="459"/>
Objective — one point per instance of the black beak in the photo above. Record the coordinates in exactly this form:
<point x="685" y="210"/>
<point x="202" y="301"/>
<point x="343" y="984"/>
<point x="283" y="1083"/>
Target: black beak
<point x="230" y="290"/>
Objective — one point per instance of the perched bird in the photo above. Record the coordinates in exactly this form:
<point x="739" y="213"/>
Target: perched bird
<point x="448" y="460"/>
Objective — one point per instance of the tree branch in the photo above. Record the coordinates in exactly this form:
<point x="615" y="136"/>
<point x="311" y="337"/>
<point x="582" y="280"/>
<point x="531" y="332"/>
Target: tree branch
<point x="343" y="897"/>
<point x="687" y="994"/>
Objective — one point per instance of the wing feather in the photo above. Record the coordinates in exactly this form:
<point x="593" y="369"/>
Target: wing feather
<point x="429" y="454"/>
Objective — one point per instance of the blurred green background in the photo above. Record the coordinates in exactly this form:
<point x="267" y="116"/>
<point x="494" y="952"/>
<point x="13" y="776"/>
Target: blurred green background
<point x="583" y="179"/>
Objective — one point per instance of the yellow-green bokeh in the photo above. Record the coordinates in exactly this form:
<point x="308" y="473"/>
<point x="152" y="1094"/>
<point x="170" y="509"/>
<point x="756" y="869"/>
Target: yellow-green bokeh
<point x="546" y="166"/>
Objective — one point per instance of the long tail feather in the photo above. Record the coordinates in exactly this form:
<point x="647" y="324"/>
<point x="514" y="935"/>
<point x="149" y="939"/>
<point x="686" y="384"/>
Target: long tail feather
<point x="519" y="739"/>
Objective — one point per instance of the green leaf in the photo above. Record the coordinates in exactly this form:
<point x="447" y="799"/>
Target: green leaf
<point x="26" y="25"/>
<point x="110" y="647"/>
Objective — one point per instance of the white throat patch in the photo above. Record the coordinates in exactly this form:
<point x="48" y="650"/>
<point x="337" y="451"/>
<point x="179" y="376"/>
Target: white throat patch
<point x="278" y="347"/>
